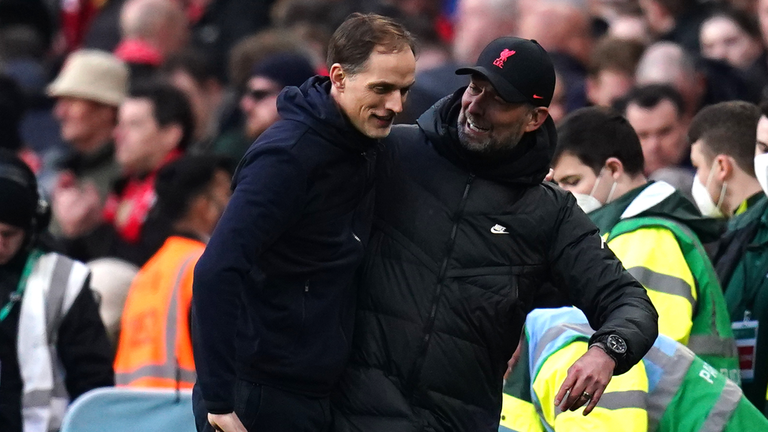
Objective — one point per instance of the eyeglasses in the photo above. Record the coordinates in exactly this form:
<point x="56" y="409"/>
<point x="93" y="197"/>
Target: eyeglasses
<point x="259" y="94"/>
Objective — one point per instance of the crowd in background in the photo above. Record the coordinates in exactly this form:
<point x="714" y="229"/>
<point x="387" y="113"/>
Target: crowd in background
<point x="102" y="98"/>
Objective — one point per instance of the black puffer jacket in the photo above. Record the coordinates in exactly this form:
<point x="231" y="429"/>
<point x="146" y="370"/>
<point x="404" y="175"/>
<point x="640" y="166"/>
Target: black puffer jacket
<point x="458" y="251"/>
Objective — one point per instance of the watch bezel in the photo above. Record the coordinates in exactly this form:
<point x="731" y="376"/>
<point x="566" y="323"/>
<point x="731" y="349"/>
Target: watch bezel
<point x="616" y="344"/>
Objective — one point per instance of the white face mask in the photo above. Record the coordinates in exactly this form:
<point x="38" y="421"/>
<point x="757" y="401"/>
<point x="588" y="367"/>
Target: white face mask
<point x="702" y="198"/>
<point x="761" y="171"/>
<point x="589" y="203"/>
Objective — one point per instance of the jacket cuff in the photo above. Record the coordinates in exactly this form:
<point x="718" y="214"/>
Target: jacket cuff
<point x="623" y="363"/>
<point x="219" y="407"/>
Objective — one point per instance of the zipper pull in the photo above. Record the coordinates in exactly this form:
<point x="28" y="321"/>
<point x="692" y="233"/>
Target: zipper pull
<point x="747" y="315"/>
<point x="306" y="286"/>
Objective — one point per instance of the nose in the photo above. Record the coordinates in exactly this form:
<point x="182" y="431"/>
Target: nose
<point x="395" y="102"/>
<point x="60" y="109"/>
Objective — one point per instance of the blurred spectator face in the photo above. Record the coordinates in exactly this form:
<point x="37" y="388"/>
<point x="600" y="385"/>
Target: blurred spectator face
<point x="656" y="17"/>
<point x="722" y="39"/>
<point x="373" y="97"/>
<point x="82" y="120"/>
<point x="762" y="15"/>
<point x="11" y="240"/>
<point x="630" y="27"/>
<point x="608" y="86"/>
<point x="259" y="104"/>
<point x="140" y="143"/>
<point x="762" y="136"/>
<point x="662" y="134"/>
<point x="478" y="23"/>
<point x="557" y="108"/>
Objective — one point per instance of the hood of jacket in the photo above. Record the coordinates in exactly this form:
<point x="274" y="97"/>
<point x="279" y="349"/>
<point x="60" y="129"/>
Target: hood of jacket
<point x="528" y="163"/>
<point x="657" y="199"/>
<point x="312" y="105"/>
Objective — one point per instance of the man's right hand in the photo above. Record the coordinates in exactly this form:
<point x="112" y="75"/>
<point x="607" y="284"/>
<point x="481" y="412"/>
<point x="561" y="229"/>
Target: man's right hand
<point x="226" y="422"/>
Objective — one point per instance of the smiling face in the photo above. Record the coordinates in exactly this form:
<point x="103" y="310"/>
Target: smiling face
<point x="373" y="97"/>
<point x="487" y="123"/>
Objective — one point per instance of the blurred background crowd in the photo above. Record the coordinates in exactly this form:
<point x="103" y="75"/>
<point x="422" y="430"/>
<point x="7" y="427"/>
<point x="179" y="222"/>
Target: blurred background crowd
<point x="99" y="96"/>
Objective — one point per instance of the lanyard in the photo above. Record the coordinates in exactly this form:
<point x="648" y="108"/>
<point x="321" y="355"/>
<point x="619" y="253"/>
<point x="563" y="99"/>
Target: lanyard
<point x="17" y="295"/>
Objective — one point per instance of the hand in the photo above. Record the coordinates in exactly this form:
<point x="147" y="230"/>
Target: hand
<point x="226" y="422"/>
<point x="588" y="376"/>
<point x="77" y="209"/>
<point x="515" y="358"/>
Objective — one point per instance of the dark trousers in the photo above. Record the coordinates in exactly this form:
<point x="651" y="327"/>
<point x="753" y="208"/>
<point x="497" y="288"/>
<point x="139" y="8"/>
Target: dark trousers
<point x="266" y="409"/>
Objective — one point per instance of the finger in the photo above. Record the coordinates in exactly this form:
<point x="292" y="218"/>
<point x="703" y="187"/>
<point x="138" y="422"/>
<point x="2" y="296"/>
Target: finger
<point x="593" y="402"/>
<point x="572" y="401"/>
<point x="567" y="384"/>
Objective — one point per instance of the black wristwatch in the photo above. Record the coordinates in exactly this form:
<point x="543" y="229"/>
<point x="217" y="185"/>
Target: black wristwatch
<point x="614" y="346"/>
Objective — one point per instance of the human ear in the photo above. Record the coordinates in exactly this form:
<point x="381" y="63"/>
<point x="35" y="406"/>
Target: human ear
<point x="537" y="117"/>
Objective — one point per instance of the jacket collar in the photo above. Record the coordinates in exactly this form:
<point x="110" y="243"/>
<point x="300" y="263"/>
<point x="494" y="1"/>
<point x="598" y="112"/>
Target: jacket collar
<point x="528" y="163"/>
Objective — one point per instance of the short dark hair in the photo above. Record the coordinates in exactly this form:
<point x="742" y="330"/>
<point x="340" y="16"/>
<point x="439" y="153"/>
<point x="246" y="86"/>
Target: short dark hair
<point x="728" y="128"/>
<point x="353" y="42"/>
<point x="178" y="183"/>
<point x="169" y="106"/>
<point x="595" y="134"/>
<point x="743" y="20"/>
<point x="192" y="62"/>
<point x="649" y="96"/>
<point x="615" y="54"/>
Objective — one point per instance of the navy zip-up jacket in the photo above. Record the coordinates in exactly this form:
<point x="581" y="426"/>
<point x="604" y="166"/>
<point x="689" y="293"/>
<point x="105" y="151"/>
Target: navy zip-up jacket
<point x="273" y="300"/>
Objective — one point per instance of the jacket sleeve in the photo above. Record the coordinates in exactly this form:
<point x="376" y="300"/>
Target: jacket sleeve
<point x="269" y="195"/>
<point x="596" y="282"/>
<point x="83" y="346"/>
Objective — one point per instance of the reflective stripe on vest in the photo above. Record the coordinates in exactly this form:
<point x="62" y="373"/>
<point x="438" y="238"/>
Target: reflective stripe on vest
<point x="169" y="373"/>
<point x="723" y="409"/>
<point x="52" y="288"/>
<point x="663" y="283"/>
<point x="674" y="368"/>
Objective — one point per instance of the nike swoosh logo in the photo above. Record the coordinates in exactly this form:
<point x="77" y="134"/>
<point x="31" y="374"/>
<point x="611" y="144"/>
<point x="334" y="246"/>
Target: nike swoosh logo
<point x="537" y="97"/>
<point x="498" y="229"/>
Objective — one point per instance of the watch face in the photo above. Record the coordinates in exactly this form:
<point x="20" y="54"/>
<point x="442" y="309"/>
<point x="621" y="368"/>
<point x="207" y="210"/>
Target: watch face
<point x="616" y="344"/>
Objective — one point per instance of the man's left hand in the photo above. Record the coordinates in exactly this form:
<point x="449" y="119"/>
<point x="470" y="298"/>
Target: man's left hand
<point x="586" y="381"/>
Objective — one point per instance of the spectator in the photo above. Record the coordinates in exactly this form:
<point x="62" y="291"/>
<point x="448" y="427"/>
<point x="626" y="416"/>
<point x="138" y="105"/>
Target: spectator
<point x="722" y="138"/>
<point x="656" y="112"/>
<point x="286" y="249"/>
<point x="565" y="31"/>
<point x="151" y="30"/>
<point x="611" y="71"/>
<point x="742" y="263"/>
<point x="652" y="229"/>
<point x="155" y="348"/>
<point x="88" y="91"/>
<point x="703" y="82"/>
<point x="466" y="236"/>
<point x="676" y="21"/>
<point x="190" y="72"/>
<point x="53" y="346"/>
<point x="12" y="106"/>
<point x="673" y="389"/>
<point x="259" y="101"/>
<point x="155" y="127"/>
<point x="732" y="37"/>
<point x="477" y="23"/>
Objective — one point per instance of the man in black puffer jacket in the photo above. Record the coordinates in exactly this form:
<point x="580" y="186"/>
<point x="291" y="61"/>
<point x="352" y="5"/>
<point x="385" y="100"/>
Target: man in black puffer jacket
<point x="465" y="235"/>
<point x="272" y="304"/>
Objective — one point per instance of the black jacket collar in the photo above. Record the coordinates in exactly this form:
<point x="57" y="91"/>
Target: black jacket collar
<point x="528" y="163"/>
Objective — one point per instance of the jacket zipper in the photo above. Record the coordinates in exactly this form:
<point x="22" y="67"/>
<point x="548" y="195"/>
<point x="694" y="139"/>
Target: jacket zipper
<point x="429" y="324"/>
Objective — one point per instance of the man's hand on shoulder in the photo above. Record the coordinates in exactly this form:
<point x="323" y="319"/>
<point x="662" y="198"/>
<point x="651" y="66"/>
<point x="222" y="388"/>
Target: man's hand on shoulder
<point x="226" y="422"/>
<point x="586" y="381"/>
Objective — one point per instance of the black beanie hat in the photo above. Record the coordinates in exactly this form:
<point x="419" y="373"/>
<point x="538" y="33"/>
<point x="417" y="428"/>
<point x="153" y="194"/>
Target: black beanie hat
<point x="18" y="191"/>
<point x="286" y="69"/>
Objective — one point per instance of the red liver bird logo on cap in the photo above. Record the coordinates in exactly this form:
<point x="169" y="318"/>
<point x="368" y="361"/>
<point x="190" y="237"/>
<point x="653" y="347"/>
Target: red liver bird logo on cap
<point x="503" y="56"/>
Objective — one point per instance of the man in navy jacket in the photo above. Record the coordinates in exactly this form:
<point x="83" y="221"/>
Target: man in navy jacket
<point x="272" y="307"/>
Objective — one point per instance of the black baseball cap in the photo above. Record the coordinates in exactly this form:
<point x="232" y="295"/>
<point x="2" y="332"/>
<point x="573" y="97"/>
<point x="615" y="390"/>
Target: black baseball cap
<point x="519" y="69"/>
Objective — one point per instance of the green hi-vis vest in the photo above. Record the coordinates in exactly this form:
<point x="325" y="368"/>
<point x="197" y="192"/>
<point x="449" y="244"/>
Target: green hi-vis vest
<point x="677" y="390"/>
<point x="711" y="337"/>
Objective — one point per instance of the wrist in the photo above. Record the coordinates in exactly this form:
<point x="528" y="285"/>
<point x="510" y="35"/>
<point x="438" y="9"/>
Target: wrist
<point x="600" y="347"/>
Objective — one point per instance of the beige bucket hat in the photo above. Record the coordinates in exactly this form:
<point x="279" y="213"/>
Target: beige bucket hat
<point x="93" y="75"/>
